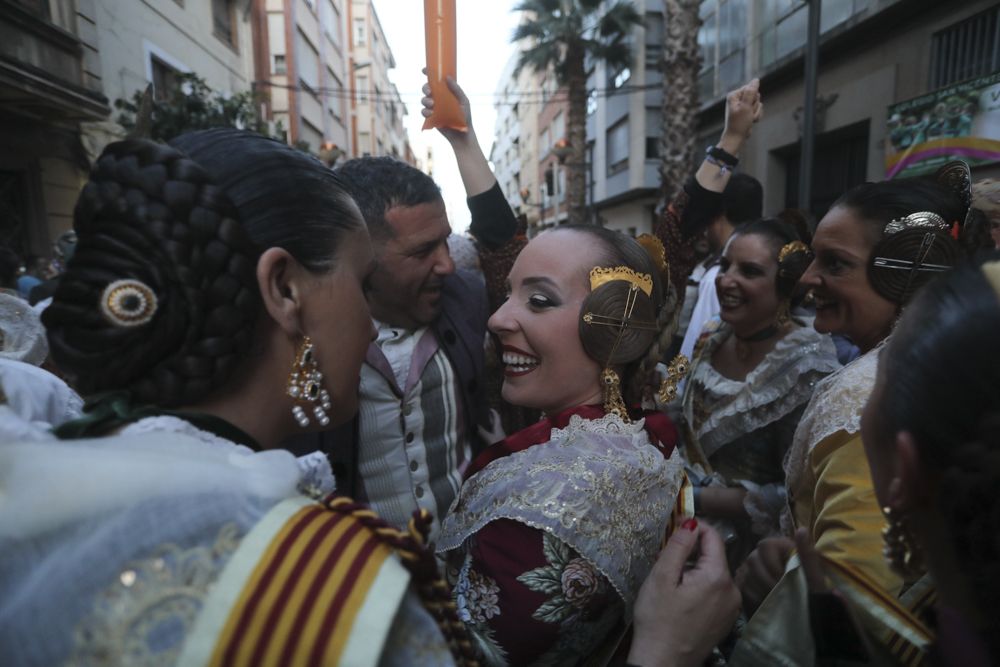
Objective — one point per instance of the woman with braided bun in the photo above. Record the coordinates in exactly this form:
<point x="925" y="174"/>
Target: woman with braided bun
<point x="214" y="306"/>
<point x="875" y="248"/>
<point x="556" y="526"/>
<point x="752" y="374"/>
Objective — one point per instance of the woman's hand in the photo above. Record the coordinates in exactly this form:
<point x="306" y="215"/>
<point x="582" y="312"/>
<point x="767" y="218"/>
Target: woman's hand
<point x="684" y="610"/>
<point x="762" y="569"/>
<point x="743" y="109"/>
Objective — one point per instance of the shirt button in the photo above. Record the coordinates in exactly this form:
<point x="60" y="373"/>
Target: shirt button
<point x="419" y="491"/>
<point x="409" y="438"/>
<point x="414" y="465"/>
<point x="407" y="410"/>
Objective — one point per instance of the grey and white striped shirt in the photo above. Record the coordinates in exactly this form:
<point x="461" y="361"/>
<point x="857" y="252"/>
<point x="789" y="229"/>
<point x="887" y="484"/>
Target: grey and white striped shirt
<point x="413" y="443"/>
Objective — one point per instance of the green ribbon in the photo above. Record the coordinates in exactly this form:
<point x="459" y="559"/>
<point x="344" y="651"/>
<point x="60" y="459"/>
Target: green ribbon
<point x="103" y="413"/>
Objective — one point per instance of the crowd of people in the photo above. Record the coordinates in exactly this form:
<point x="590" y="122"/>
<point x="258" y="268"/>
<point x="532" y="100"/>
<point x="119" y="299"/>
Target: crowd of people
<point x="259" y="415"/>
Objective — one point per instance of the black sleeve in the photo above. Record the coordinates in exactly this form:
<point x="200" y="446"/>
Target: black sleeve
<point x="703" y="206"/>
<point x="493" y="222"/>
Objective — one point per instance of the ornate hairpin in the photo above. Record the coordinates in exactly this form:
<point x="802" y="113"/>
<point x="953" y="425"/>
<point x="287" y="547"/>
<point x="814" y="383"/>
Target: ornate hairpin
<point x="654" y="247"/>
<point x="926" y="219"/>
<point x="600" y="275"/>
<point x="128" y="303"/>
<point x="676" y="371"/>
<point x="791" y="248"/>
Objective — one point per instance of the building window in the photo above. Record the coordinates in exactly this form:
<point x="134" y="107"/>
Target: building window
<point x="591" y="102"/>
<point x="722" y="39"/>
<point x="165" y="80"/>
<point x="545" y="142"/>
<point x="966" y="50"/>
<point x="306" y="62"/>
<point x="278" y="67"/>
<point x="652" y="148"/>
<point x="559" y="127"/>
<point x="618" y="147"/>
<point x="620" y="77"/>
<point x="362" y="89"/>
<point x="223" y="24"/>
<point x="360" y="38"/>
<point x="364" y="143"/>
<point x="654" y="38"/>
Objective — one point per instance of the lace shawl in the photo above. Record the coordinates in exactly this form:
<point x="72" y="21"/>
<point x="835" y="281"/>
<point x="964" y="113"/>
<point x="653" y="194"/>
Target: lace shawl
<point x="836" y="405"/>
<point x="597" y="485"/>
<point x="783" y="381"/>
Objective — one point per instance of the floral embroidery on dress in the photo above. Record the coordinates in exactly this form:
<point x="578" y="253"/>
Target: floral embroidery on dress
<point x="578" y="590"/>
<point x="476" y="596"/>
<point x="144" y="616"/>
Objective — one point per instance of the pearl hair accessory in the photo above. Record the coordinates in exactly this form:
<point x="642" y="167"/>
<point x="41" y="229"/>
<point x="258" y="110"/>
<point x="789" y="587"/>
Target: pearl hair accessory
<point x="306" y="388"/>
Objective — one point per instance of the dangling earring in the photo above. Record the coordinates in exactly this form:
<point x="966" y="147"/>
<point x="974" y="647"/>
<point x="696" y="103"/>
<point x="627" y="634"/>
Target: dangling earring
<point x="676" y="371"/>
<point x="304" y="385"/>
<point x="900" y="550"/>
<point x="613" y="402"/>
<point x="784" y="312"/>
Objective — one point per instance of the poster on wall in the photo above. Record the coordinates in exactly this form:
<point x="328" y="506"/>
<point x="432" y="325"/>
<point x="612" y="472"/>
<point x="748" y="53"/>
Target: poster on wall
<point x="958" y="122"/>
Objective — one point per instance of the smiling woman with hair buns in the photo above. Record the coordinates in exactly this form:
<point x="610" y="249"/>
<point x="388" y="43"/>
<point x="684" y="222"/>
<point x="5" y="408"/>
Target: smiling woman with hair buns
<point x="875" y="249"/>
<point x="214" y="306"/>
<point x="752" y="374"/>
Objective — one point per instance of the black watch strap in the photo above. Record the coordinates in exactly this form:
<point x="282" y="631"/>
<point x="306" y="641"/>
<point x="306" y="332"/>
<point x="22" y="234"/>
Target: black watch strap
<point x="722" y="156"/>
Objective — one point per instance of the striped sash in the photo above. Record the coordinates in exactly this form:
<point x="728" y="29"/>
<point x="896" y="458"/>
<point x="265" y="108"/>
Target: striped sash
<point x="307" y="586"/>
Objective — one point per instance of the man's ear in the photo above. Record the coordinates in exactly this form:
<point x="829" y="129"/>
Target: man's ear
<point x="909" y="487"/>
<point x="277" y="273"/>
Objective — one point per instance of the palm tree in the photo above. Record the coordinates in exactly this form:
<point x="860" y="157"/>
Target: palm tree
<point x="681" y="62"/>
<point x="562" y="35"/>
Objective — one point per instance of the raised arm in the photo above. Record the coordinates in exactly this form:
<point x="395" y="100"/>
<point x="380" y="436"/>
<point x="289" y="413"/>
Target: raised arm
<point x="472" y="165"/>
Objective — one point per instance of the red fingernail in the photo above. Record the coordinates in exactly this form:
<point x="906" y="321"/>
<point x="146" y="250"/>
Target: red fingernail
<point x="690" y="524"/>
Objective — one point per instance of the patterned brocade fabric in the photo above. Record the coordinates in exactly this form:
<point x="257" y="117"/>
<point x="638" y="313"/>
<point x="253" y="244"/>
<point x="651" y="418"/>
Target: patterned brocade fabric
<point x="548" y="546"/>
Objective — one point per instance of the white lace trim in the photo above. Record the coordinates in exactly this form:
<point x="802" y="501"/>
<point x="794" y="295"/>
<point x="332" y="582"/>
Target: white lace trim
<point x="597" y="485"/>
<point x="784" y="380"/>
<point x="836" y="405"/>
<point x="316" y="478"/>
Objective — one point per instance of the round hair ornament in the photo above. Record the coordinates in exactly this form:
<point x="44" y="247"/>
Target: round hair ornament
<point x="128" y="303"/>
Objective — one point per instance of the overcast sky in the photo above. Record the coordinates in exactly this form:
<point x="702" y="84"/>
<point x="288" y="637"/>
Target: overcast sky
<point x="484" y="29"/>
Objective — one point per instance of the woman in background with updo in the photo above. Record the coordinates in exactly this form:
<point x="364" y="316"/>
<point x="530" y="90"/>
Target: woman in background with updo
<point x="875" y="248"/>
<point x="752" y="374"/>
<point x="557" y="525"/>
<point x="214" y="306"/>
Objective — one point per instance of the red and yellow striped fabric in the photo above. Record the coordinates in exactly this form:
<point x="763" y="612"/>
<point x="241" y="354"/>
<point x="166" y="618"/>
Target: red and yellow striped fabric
<point x="300" y="603"/>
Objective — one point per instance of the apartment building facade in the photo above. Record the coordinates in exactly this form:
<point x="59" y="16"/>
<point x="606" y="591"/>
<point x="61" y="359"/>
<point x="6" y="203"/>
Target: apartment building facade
<point x="50" y="92"/>
<point x="876" y="56"/>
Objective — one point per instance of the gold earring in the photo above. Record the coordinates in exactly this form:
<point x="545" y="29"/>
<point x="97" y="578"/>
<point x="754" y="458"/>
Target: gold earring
<point x="784" y="312"/>
<point x="305" y="386"/>
<point x="900" y="549"/>
<point x="613" y="402"/>
<point x="676" y="371"/>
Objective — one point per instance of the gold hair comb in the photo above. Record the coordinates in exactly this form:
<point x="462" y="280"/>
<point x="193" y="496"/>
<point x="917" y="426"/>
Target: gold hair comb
<point x="600" y="275"/>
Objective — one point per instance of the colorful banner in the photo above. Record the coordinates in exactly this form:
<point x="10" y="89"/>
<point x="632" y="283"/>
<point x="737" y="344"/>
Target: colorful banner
<point x="959" y="122"/>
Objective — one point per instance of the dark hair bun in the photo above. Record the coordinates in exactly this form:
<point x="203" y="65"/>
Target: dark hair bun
<point x="922" y="246"/>
<point x="609" y="301"/>
<point x="151" y="214"/>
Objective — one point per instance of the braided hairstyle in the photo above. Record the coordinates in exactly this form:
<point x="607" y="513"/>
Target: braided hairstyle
<point x="777" y="234"/>
<point x="638" y="350"/>
<point x="189" y="222"/>
<point x="878" y="204"/>
<point x="942" y="374"/>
